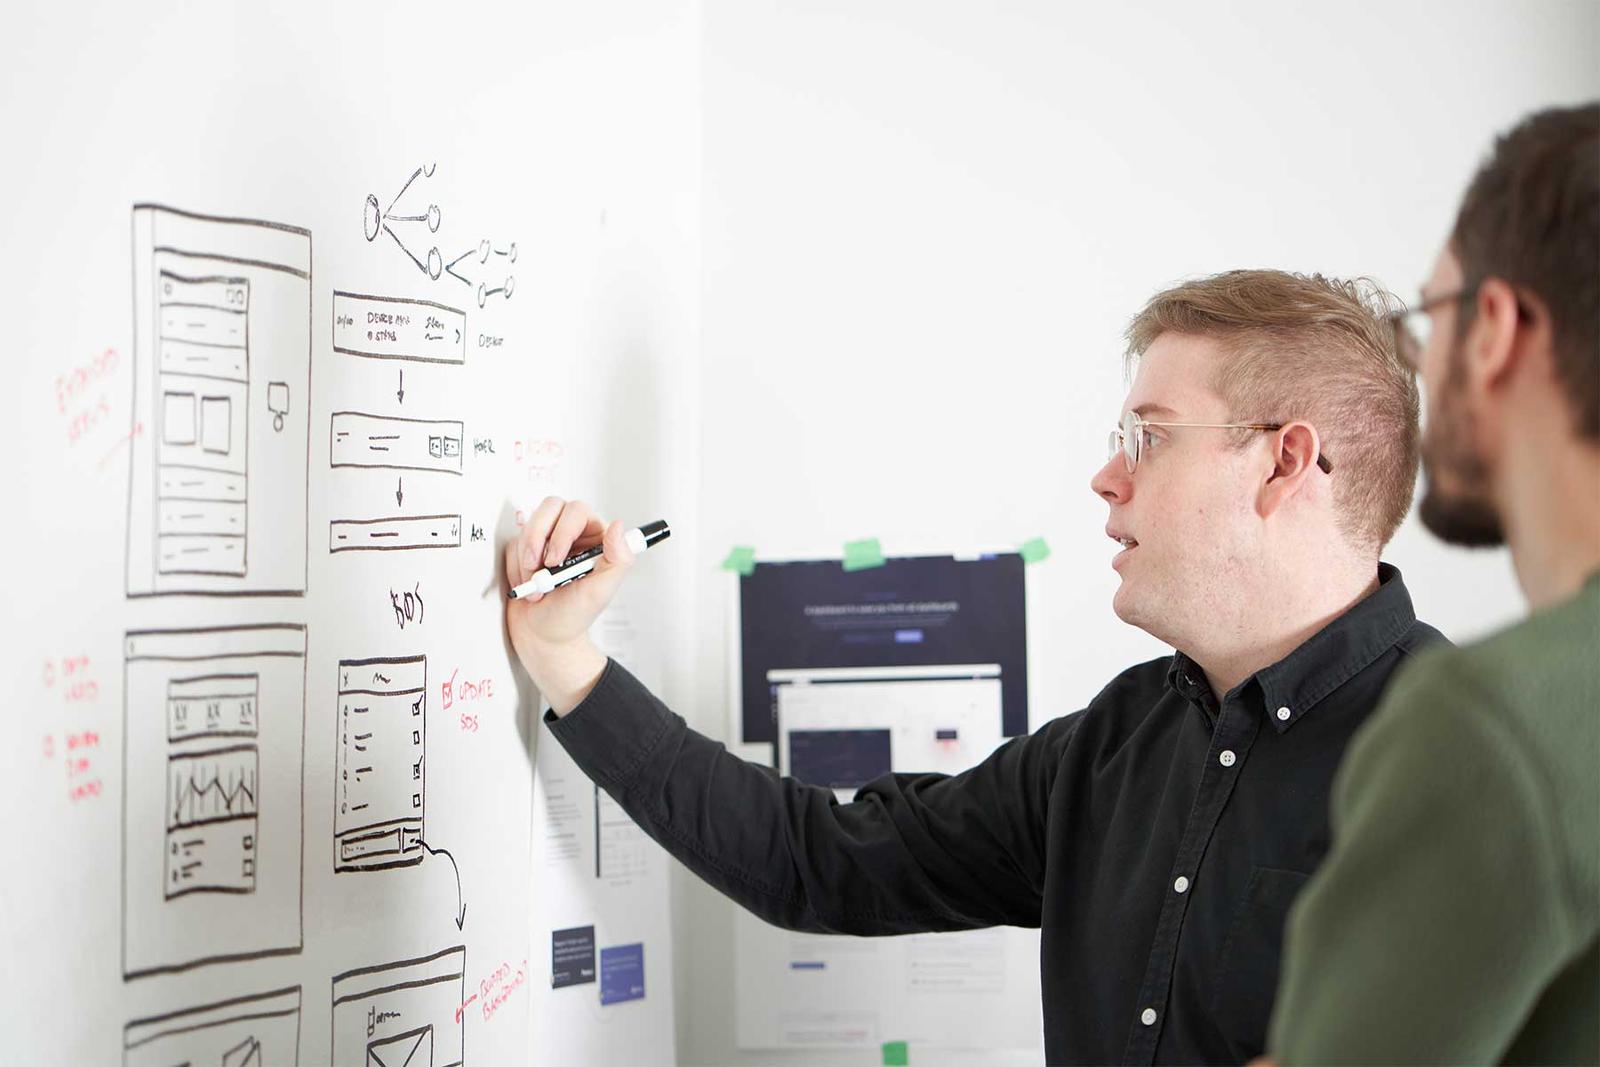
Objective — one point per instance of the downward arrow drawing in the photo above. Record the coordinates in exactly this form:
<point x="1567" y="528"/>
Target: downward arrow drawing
<point x="399" y="491"/>
<point x="461" y="907"/>
<point x="400" y="393"/>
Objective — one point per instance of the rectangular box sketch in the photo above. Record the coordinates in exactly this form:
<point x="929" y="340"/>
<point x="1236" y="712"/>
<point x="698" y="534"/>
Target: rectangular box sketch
<point x="213" y="775"/>
<point x="262" y="1030"/>
<point x="361" y="440"/>
<point x="402" y="1014"/>
<point x="222" y="343"/>
<point x="395" y="533"/>
<point x="388" y="327"/>
<point x="380" y="781"/>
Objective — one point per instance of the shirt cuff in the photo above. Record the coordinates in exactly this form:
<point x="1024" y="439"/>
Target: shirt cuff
<point x="613" y="730"/>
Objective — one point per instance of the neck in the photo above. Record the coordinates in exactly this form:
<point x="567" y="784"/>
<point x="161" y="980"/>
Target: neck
<point x="1298" y="611"/>
<point x="1547" y="492"/>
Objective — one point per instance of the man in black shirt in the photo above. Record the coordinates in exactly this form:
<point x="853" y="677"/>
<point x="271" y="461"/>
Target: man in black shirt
<point x="1265" y="453"/>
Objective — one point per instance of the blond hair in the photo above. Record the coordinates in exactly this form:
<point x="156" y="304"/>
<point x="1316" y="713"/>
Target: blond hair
<point x="1307" y="348"/>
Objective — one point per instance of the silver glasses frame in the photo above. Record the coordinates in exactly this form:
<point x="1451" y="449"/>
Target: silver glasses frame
<point x="1128" y="438"/>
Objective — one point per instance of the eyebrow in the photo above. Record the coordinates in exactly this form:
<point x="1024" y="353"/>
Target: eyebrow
<point x="1153" y="409"/>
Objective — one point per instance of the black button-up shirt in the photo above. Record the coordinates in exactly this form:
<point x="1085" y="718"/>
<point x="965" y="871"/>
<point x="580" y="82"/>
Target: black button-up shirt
<point x="1157" y="837"/>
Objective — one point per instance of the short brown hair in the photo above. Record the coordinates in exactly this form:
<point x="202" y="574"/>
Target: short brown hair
<point x="1305" y="347"/>
<point x="1531" y="217"/>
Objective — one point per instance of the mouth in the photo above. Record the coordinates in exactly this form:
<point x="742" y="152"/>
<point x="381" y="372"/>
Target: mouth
<point x="1128" y="545"/>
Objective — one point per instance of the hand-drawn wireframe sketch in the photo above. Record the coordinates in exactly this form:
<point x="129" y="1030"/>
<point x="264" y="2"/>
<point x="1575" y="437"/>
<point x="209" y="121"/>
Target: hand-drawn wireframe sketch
<point x="262" y="1030"/>
<point x="357" y="439"/>
<point x="222" y="341"/>
<point x="278" y="403"/>
<point x="402" y="1014"/>
<point x="394" y="533"/>
<point x="388" y="327"/>
<point x="213" y="764"/>
<point x="375" y="219"/>
<point x="380" y="784"/>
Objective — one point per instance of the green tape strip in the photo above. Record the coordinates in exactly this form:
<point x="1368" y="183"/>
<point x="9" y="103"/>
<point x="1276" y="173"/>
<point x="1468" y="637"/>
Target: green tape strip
<point x="742" y="559"/>
<point x="863" y="555"/>
<point x="895" y="1054"/>
<point x="1035" y="550"/>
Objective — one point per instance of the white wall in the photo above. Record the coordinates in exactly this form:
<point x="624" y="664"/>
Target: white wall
<point x="926" y="223"/>
<point x="571" y="129"/>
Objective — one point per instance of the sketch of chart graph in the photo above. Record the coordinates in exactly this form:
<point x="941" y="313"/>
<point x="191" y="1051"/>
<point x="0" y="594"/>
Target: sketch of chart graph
<point x="222" y="375"/>
<point x="213" y="756"/>
<point x="211" y="822"/>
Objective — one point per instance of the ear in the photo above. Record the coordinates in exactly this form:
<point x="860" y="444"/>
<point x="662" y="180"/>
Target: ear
<point x="1295" y="449"/>
<point x="1491" y="345"/>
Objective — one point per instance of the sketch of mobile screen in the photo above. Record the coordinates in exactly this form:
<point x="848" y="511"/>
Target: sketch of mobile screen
<point x="841" y="727"/>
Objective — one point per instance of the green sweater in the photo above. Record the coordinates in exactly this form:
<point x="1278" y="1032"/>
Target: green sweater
<point x="1455" y="918"/>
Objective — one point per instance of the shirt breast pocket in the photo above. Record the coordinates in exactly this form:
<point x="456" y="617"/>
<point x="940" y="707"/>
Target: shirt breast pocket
<point x="1247" y="970"/>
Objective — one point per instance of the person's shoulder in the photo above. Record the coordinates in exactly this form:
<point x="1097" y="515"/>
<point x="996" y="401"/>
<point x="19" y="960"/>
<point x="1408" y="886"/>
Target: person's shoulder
<point x="1543" y="668"/>
<point x="1513" y="717"/>
<point x="1557" y="644"/>
<point x="1130" y="694"/>
<point x="1125" y="702"/>
<point x="1134" y="688"/>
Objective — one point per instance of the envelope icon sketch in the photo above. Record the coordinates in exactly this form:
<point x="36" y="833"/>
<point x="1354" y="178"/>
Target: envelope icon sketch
<point x="411" y="1049"/>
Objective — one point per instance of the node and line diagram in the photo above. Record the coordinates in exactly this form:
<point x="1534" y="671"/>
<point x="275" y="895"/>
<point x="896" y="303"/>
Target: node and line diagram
<point x="471" y="268"/>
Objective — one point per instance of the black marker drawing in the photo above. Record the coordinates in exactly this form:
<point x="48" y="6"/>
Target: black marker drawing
<point x="211" y="820"/>
<point x="461" y="905"/>
<point x="408" y="605"/>
<point x="278" y="403"/>
<point x="402" y="1014"/>
<point x="222" y="341"/>
<point x="388" y="327"/>
<point x="380" y="781"/>
<point x="394" y="533"/>
<point x="472" y="267"/>
<point x="262" y="1030"/>
<point x="358" y="439"/>
<point x="213" y="765"/>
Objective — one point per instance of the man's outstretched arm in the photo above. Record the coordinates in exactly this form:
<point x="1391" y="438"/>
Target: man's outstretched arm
<point x="913" y="852"/>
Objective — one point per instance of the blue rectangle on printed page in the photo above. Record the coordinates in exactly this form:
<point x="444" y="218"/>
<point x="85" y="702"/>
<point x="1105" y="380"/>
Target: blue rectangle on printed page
<point x="621" y="973"/>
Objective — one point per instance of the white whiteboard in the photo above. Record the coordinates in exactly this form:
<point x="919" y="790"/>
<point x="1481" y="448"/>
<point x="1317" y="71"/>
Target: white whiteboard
<point x="317" y="302"/>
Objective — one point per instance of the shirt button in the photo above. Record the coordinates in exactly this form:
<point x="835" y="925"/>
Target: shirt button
<point x="1148" y="1016"/>
<point x="1227" y="757"/>
<point x="1181" y="885"/>
<point x="1283" y="714"/>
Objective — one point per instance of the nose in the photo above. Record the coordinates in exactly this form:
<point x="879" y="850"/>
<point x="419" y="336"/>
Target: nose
<point x="1111" y="482"/>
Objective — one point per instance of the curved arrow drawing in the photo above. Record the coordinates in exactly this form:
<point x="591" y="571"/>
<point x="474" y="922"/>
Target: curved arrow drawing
<point x="461" y="907"/>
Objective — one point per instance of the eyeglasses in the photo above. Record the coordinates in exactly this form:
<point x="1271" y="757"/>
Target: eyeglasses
<point x="1413" y="326"/>
<point x="1132" y="437"/>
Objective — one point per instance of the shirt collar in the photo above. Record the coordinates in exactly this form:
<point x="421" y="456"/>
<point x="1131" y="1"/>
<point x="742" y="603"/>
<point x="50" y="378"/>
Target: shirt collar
<point x="1322" y="663"/>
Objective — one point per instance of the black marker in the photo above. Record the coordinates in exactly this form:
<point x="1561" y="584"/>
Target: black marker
<point x="547" y="579"/>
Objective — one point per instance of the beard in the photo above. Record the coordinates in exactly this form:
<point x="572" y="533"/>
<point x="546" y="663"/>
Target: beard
<point x="1456" y="505"/>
